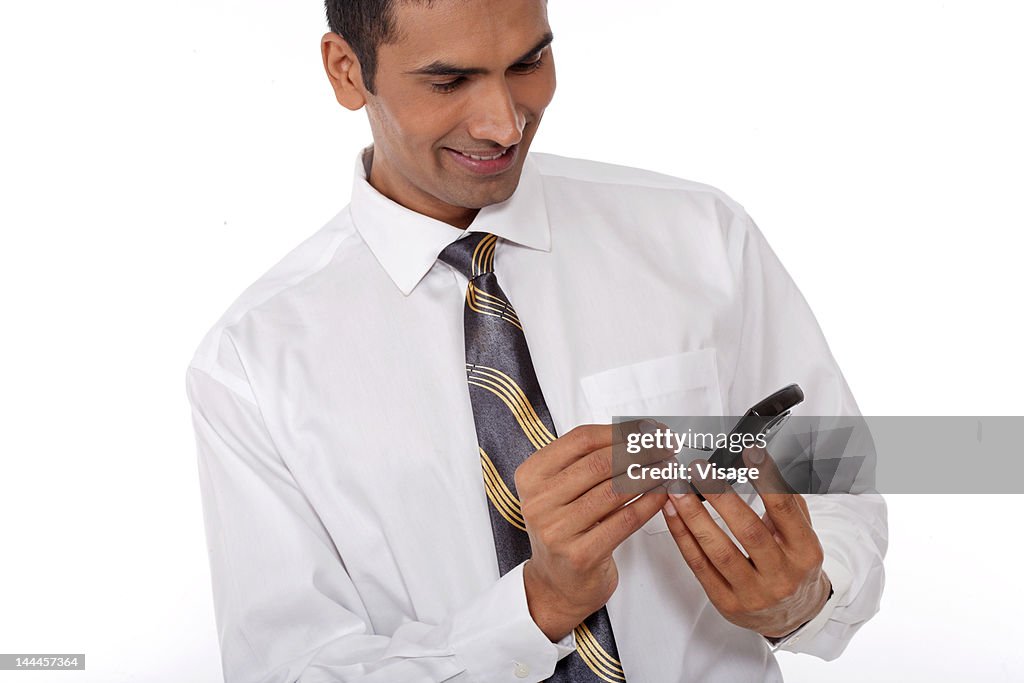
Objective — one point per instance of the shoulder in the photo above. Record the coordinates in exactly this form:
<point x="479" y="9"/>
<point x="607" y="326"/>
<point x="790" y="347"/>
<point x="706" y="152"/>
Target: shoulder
<point x="668" y="206"/>
<point x="618" y="179"/>
<point x="284" y="279"/>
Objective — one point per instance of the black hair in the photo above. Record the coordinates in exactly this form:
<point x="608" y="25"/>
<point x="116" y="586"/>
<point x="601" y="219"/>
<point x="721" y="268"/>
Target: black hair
<point x="366" y="25"/>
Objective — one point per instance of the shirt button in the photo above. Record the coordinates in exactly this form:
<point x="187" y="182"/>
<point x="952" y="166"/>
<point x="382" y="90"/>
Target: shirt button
<point x="521" y="670"/>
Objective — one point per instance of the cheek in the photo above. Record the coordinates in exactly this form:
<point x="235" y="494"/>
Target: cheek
<point x="398" y="121"/>
<point x="538" y="93"/>
<point x="421" y="120"/>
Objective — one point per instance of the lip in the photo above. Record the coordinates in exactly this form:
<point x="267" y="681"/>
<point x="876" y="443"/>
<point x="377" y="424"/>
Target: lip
<point x="485" y="167"/>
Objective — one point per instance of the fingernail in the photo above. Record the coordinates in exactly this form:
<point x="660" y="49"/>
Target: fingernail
<point x="755" y="456"/>
<point x="649" y="426"/>
<point x="670" y="509"/>
<point x="677" y="496"/>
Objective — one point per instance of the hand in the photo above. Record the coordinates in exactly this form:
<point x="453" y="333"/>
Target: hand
<point x="575" y="517"/>
<point x="781" y="585"/>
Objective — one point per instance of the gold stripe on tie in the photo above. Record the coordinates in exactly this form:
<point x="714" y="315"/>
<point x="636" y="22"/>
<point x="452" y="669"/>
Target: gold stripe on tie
<point x="510" y="383"/>
<point x="499" y="494"/>
<point x="492" y="300"/>
<point x="607" y="657"/>
<point x="598" y="654"/>
<point x="502" y="386"/>
<point x="483" y="255"/>
<point x="595" y="656"/>
<point x="503" y="505"/>
<point x="487" y="256"/>
<point x="488" y="308"/>
<point x="493" y="496"/>
<point x="518" y="410"/>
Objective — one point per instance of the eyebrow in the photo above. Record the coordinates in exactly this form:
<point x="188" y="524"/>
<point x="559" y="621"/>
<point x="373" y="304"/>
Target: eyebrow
<point x="440" y="68"/>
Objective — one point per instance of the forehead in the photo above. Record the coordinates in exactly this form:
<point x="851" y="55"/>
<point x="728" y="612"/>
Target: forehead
<point x="470" y="33"/>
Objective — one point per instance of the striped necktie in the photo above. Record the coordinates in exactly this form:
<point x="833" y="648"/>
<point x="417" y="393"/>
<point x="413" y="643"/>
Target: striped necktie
<point x="512" y="421"/>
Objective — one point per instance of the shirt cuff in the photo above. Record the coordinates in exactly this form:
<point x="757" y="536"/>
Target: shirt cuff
<point x="566" y="646"/>
<point x="841" y="582"/>
<point x="501" y="641"/>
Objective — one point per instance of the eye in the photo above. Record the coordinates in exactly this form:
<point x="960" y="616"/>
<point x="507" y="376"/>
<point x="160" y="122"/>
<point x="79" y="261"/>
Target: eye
<point x="527" y="67"/>
<point x="448" y="87"/>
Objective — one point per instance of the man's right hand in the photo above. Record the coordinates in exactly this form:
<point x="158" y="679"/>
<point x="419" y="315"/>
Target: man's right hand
<point x="575" y="517"/>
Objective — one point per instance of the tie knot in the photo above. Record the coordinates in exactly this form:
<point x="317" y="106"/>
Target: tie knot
<point x="472" y="255"/>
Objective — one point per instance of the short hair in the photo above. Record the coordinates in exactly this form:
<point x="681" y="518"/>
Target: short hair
<point x="366" y="25"/>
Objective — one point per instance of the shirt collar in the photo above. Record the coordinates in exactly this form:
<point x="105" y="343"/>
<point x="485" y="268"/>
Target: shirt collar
<point x="406" y="243"/>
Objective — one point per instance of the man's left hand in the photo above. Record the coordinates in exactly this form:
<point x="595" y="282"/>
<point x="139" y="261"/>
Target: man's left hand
<point x="781" y="585"/>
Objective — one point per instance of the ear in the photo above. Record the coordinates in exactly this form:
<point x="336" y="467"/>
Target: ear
<point x="343" y="71"/>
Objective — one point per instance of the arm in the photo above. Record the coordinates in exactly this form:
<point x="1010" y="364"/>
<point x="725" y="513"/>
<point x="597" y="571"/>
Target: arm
<point x="286" y="610"/>
<point x="780" y="342"/>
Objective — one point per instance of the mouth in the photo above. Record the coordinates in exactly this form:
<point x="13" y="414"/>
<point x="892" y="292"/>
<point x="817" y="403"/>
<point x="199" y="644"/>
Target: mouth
<point x="484" y="162"/>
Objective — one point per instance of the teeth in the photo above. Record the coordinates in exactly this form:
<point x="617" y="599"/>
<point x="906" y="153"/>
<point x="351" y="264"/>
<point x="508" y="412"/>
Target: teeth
<point x="473" y="156"/>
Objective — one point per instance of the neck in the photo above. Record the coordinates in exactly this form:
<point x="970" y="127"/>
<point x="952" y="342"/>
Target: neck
<point x="431" y="207"/>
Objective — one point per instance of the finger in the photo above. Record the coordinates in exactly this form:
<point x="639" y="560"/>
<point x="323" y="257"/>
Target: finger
<point x="638" y="445"/>
<point x="696" y="559"/>
<point x="771" y="526"/>
<point x="620" y="525"/>
<point x="723" y="553"/>
<point x="604" y="464"/>
<point x="746" y="526"/>
<point x="803" y="508"/>
<point x="769" y="477"/>
<point x="602" y="499"/>
<point x="570" y="447"/>
<point x="785" y="507"/>
<point x="623" y="432"/>
<point x="613" y="461"/>
<point x="581" y="441"/>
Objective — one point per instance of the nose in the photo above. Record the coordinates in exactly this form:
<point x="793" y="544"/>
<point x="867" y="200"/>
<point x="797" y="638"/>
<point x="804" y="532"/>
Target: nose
<point x="495" y="115"/>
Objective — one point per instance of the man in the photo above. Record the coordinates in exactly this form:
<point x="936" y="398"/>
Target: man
<point x="364" y="519"/>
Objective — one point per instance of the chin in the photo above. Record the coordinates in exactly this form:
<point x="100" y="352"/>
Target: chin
<point x="494" y="194"/>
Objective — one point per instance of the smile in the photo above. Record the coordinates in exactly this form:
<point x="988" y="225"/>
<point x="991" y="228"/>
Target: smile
<point x="480" y="157"/>
<point x="485" y="162"/>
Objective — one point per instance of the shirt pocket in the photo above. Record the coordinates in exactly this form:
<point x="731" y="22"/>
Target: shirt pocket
<point x="677" y="384"/>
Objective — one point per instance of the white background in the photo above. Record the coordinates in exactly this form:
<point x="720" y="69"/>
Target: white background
<point x="156" y="158"/>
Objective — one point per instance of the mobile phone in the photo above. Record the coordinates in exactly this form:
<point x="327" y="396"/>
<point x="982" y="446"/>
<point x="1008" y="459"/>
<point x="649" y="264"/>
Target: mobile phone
<point x="765" y="418"/>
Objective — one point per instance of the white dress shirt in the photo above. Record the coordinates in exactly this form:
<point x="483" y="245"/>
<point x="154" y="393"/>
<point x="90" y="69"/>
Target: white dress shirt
<point x="346" y="517"/>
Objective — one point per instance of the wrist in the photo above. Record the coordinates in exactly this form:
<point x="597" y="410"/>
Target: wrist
<point x="548" y="608"/>
<point x="827" y="591"/>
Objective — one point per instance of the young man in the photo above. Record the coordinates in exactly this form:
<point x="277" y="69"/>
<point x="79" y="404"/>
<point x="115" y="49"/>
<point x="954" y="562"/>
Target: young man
<point x="371" y="515"/>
